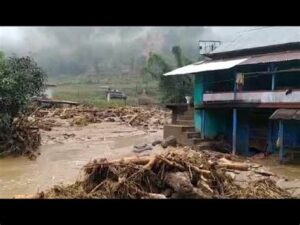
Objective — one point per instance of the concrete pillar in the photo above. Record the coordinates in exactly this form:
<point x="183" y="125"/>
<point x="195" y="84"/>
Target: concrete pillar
<point x="280" y="140"/>
<point x="203" y="124"/>
<point x="234" y="129"/>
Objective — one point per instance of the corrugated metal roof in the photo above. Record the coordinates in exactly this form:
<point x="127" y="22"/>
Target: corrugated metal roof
<point x="273" y="57"/>
<point x="261" y="37"/>
<point x="206" y="66"/>
<point x="286" y="114"/>
<point x="212" y="65"/>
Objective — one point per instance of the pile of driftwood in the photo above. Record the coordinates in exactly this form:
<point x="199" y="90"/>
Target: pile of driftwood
<point x="146" y="117"/>
<point x="21" y="138"/>
<point x="177" y="173"/>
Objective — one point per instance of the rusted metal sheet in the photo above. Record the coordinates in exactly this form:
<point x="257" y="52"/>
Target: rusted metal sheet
<point x="286" y="114"/>
<point x="262" y="37"/>
<point x="273" y="57"/>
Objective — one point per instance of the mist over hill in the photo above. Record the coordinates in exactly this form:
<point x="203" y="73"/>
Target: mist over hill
<point x="73" y="51"/>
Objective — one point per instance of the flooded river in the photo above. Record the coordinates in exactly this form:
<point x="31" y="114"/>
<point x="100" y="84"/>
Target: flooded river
<point x="62" y="158"/>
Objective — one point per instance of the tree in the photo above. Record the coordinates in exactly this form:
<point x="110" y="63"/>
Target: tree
<point x="173" y="88"/>
<point x="20" y="80"/>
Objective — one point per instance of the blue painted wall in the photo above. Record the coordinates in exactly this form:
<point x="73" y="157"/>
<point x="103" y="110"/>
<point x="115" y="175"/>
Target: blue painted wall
<point x="216" y="122"/>
<point x="242" y="143"/>
<point x="219" y="121"/>
<point x="198" y="98"/>
<point x="291" y="134"/>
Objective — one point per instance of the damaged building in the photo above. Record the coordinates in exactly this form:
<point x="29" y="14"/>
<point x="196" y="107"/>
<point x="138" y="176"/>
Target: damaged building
<point x="247" y="91"/>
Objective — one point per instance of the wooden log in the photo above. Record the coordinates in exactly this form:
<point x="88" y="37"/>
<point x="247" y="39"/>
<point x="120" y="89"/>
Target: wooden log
<point x="143" y="160"/>
<point x="56" y="101"/>
<point x="156" y="196"/>
<point x="205" y="185"/>
<point x="150" y="164"/>
<point x="25" y="196"/>
<point x="170" y="163"/>
<point x="201" y="171"/>
<point x="264" y="173"/>
<point x="232" y="165"/>
<point x="132" y="119"/>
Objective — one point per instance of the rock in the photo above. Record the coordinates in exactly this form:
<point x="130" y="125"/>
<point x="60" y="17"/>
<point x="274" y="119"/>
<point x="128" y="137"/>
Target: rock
<point x="156" y="142"/>
<point x="169" y="141"/>
<point x="179" y="182"/>
<point x="142" y="148"/>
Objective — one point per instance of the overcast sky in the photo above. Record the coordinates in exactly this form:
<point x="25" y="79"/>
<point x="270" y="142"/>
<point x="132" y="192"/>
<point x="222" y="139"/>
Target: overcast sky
<point x="34" y="39"/>
<point x="79" y="45"/>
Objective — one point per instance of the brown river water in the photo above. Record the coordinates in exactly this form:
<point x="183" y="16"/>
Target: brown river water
<point x="62" y="158"/>
<point x="65" y="150"/>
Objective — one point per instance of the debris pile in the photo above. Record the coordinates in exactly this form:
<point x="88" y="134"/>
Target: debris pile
<point x="177" y="173"/>
<point x="146" y="117"/>
<point x="23" y="138"/>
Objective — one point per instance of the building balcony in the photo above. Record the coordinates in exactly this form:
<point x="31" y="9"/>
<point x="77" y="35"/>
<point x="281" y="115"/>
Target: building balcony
<point x="278" y="96"/>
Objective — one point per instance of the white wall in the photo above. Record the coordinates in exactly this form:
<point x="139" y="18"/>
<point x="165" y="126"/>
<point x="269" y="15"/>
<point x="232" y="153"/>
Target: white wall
<point x="259" y="97"/>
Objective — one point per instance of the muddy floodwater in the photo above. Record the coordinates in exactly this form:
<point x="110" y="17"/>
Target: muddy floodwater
<point x="290" y="170"/>
<point x="63" y="153"/>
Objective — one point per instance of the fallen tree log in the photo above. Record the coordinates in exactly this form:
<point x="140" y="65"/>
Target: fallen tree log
<point x="49" y="101"/>
<point x="264" y="173"/>
<point x="225" y="163"/>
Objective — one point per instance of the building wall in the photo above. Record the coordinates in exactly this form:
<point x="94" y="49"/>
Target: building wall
<point x="219" y="122"/>
<point x="291" y="134"/>
<point x="198" y="98"/>
<point x="216" y="122"/>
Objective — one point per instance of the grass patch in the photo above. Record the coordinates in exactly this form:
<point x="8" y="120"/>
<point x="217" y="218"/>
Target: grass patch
<point x="94" y="93"/>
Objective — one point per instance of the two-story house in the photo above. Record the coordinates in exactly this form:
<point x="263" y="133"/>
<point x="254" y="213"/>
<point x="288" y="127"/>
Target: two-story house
<point x="248" y="91"/>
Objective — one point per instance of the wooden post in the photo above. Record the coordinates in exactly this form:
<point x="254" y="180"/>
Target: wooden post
<point x="280" y="140"/>
<point x="270" y="146"/>
<point x="203" y="124"/>
<point x="234" y="87"/>
<point x="234" y="125"/>
<point x="273" y="81"/>
<point x="273" y="69"/>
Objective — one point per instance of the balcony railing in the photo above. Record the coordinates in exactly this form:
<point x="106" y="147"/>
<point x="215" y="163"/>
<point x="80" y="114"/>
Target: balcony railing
<point x="254" y="96"/>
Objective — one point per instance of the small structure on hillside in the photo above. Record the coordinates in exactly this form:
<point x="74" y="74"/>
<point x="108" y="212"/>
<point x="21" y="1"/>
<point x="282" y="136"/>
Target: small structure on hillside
<point x="115" y="94"/>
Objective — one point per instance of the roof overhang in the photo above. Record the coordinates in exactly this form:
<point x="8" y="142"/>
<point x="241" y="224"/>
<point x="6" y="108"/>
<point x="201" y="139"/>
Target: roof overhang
<point x="204" y="66"/>
<point x="286" y="114"/>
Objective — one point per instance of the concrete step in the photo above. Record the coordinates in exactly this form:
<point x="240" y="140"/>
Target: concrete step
<point x="186" y="117"/>
<point x="179" y="131"/>
<point x="196" y="141"/>
<point x="192" y="134"/>
<point x="185" y="122"/>
<point x="189" y="112"/>
<point x="181" y="127"/>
